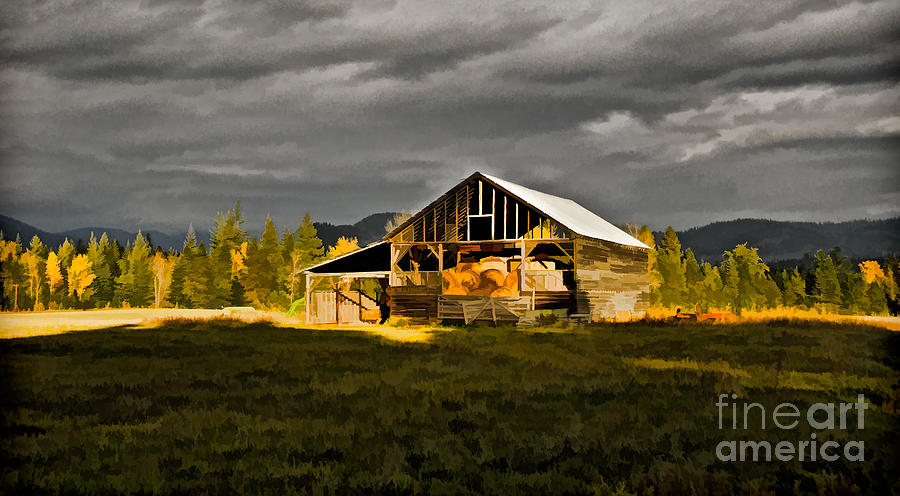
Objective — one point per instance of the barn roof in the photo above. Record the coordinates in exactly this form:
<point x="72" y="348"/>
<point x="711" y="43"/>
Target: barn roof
<point x="562" y="210"/>
<point x="375" y="257"/>
<point x="568" y="213"/>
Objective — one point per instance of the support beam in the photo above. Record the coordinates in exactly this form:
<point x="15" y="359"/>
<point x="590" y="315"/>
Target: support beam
<point x="306" y="297"/>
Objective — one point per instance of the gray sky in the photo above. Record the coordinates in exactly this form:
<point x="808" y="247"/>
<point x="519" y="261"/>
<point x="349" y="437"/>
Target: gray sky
<point x="155" y="114"/>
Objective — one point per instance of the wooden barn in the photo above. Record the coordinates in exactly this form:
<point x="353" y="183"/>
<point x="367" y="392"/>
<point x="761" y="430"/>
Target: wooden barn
<point x="488" y="249"/>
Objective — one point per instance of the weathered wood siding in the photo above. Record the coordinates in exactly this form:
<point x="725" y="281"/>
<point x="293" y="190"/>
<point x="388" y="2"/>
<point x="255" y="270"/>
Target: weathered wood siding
<point x="418" y="306"/>
<point x="612" y="280"/>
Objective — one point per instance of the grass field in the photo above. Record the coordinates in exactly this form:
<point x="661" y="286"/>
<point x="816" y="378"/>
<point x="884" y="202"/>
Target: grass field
<point x="234" y="407"/>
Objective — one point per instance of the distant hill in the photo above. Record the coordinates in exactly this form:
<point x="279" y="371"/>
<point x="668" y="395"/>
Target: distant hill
<point x="367" y="230"/>
<point x="792" y="240"/>
<point x="11" y="227"/>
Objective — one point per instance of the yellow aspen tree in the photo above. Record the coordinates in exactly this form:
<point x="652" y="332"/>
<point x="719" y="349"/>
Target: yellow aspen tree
<point x="162" y="277"/>
<point x="342" y="246"/>
<point x="872" y="271"/>
<point x="238" y="260"/>
<point x="32" y="267"/>
<point x="54" y="274"/>
<point x="81" y="275"/>
<point x="7" y="250"/>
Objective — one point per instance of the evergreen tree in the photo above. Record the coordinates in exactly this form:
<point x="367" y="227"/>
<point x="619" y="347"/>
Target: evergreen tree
<point x="114" y="253"/>
<point x="13" y="275"/>
<point x="181" y="271"/>
<point x="264" y="268"/>
<point x="693" y="278"/>
<point x="794" y="292"/>
<point x="199" y="279"/>
<point x="710" y="293"/>
<point x="828" y="288"/>
<point x="670" y="268"/>
<point x="747" y="283"/>
<point x="135" y="284"/>
<point x="227" y="236"/>
<point x="308" y="242"/>
<point x="852" y="283"/>
<point x="102" y="288"/>
<point x="875" y="299"/>
<point x="287" y="245"/>
<point x="308" y="250"/>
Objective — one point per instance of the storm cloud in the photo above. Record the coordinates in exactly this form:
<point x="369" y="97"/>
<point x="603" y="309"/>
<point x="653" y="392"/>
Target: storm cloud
<point x="157" y="114"/>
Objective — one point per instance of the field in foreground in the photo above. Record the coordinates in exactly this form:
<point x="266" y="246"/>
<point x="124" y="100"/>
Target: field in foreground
<point x="226" y="406"/>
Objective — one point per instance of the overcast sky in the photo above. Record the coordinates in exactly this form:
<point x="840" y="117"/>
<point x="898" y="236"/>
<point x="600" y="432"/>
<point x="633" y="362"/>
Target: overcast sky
<point x="156" y="114"/>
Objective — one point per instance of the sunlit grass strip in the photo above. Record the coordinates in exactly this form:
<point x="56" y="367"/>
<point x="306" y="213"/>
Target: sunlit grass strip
<point x="721" y="367"/>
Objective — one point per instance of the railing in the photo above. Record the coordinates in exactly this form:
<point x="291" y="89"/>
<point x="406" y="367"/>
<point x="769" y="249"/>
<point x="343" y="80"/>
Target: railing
<point x="543" y="280"/>
<point x="428" y="279"/>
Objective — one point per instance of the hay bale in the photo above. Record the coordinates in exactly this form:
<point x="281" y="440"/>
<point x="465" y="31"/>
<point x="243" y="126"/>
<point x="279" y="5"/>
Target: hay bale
<point x="512" y="281"/>
<point x="492" y="278"/>
<point x="468" y="279"/>
<point x="502" y="292"/>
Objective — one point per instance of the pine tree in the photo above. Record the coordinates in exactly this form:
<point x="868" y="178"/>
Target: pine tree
<point x="181" y="271"/>
<point x="692" y="278"/>
<point x="828" y="288"/>
<point x="264" y="267"/>
<point x="135" y="284"/>
<point x="13" y="275"/>
<point x="670" y="268"/>
<point x="226" y="237"/>
<point x="103" y="287"/>
<point x="794" y="292"/>
<point x="710" y="294"/>
<point x="308" y="242"/>
<point x="875" y="299"/>
<point x="199" y="278"/>
<point x="747" y="283"/>
<point x="66" y="253"/>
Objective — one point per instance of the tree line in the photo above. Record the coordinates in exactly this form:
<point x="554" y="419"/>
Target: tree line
<point x="234" y="270"/>
<point x="264" y="272"/>
<point x="743" y="282"/>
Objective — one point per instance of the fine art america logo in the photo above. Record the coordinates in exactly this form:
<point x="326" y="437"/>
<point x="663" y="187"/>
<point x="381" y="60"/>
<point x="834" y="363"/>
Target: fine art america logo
<point x="787" y="416"/>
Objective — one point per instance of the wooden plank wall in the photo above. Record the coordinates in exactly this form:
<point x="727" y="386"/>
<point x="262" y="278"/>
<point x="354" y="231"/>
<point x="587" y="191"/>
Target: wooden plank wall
<point x="612" y="279"/>
<point x="419" y="306"/>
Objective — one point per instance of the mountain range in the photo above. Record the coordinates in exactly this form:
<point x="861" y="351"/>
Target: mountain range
<point x="776" y="240"/>
<point x="367" y="230"/>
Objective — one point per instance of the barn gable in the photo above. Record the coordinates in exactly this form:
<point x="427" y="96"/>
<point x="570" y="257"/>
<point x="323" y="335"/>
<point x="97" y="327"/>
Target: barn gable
<point x="486" y="208"/>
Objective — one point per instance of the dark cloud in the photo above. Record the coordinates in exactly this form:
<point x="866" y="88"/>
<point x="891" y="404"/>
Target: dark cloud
<point x="157" y="114"/>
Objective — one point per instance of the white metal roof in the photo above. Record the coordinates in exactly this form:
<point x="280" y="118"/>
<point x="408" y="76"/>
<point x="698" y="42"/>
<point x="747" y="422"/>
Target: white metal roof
<point x="570" y="214"/>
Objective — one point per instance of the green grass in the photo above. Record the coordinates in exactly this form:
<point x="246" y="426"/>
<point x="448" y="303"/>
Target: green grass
<point x="248" y="408"/>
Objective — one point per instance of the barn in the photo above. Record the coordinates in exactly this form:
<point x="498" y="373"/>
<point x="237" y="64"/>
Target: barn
<point x="488" y="249"/>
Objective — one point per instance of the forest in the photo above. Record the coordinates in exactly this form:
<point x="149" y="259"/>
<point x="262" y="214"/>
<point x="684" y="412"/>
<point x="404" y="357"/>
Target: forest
<point x="265" y="273"/>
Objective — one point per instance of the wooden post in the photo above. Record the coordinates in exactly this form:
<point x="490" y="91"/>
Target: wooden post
<point x="505" y="213"/>
<point x="493" y="212"/>
<point x="337" y="304"/>
<point x="517" y="220"/>
<point x="522" y="267"/>
<point x="307" y="295"/>
<point x="359" y="299"/>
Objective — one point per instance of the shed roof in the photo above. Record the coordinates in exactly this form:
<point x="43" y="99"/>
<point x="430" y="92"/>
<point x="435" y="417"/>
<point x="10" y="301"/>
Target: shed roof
<point x="372" y="258"/>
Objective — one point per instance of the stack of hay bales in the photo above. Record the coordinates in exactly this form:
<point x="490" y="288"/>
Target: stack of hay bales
<point x="488" y="277"/>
